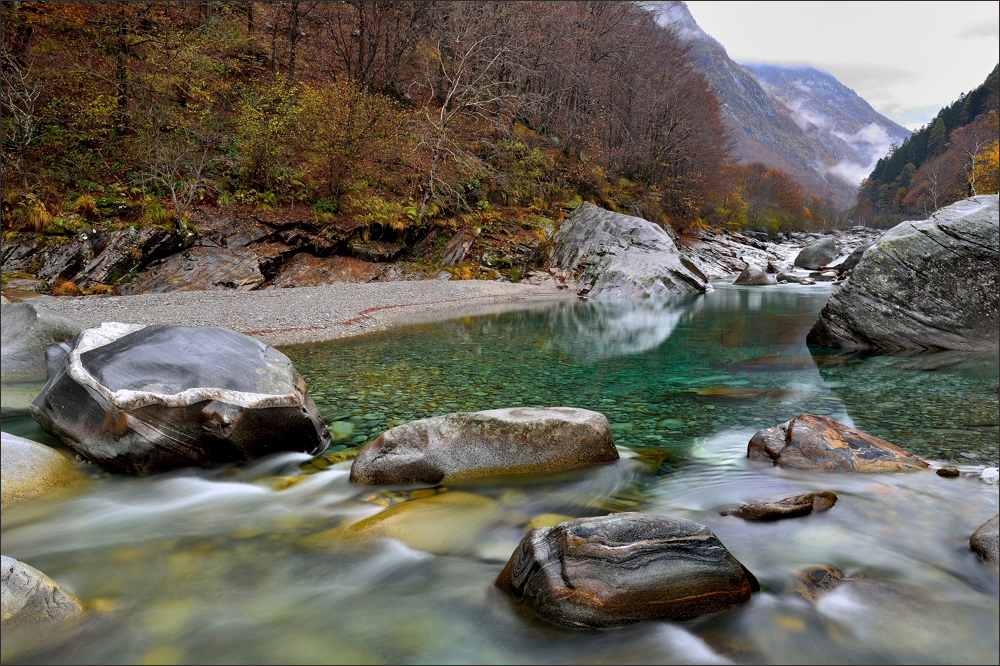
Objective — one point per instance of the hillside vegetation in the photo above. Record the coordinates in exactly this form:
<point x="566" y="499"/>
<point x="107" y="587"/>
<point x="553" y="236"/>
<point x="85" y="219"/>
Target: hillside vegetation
<point x="953" y="157"/>
<point x="375" y="120"/>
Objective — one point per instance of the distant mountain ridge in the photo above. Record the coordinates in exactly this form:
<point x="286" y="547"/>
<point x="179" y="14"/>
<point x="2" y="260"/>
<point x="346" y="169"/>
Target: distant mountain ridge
<point x="797" y="119"/>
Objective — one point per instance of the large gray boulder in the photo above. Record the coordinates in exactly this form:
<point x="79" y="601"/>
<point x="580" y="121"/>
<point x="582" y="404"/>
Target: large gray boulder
<point x="29" y="469"/>
<point x="986" y="540"/>
<point x="817" y="254"/>
<point x="27" y="331"/>
<point x="144" y="399"/>
<point x="624" y="568"/>
<point x="754" y="276"/>
<point x="29" y="598"/>
<point x="444" y="448"/>
<point x="619" y="256"/>
<point x="930" y="284"/>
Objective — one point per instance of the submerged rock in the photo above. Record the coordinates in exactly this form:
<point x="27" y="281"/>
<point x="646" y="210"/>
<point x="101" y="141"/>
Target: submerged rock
<point x="619" y="256"/>
<point x="30" y="469"/>
<point x="928" y="284"/>
<point x="817" y="254"/>
<point x="754" y="276"/>
<point x="789" y="507"/>
<point x="823" y="444"/>
<point x="30" y="598"/>
<point x="139" y="400"/>
<point x="624" y="568"/>
<point x="498" y="441"/>
<point x="27" y="331"/>
<point x="986" y="540"/>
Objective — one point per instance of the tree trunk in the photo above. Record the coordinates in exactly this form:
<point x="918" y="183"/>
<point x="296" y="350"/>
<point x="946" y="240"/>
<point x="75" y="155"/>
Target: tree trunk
<point x="293" y="40"/>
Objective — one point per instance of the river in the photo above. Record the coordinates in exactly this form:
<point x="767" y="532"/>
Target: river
<point x="249" y="564"/>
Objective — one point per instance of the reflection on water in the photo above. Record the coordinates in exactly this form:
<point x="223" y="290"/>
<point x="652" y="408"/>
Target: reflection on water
<point x="254" y="564"/>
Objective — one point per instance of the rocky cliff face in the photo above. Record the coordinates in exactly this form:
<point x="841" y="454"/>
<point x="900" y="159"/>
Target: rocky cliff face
<point x="770" y="121"/>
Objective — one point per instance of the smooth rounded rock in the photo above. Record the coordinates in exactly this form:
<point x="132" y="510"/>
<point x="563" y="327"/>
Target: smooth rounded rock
<point x="820" y="443"/>
<point x="948" y="472"/>
<point x="140" y="400"/>
<point x="27" y="331"/>
<point x="986" y="540"/>
<point x="817" y="254"/>
<point x="30" y="469"/>
<point x="462" y="445"/>
<point x="754" y="276"/>
<point x="29" y="598"/>
<point x="624" y="568"/>
<point x="928" y="284"/>
<point x="789" y="507"/>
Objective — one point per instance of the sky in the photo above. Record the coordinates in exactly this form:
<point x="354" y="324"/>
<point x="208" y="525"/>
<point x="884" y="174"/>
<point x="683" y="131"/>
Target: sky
<point x="905" y="59"/>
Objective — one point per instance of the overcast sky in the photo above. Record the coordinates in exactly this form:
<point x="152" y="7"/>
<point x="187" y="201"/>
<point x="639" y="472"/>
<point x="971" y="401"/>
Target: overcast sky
<point x="906" y="59"/>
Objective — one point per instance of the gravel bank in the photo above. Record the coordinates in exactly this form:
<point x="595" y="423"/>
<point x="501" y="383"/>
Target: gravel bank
<point x="308" y="314"/>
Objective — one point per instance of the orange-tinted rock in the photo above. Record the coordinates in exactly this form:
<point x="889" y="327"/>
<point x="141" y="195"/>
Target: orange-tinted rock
<point x="823" y="444"/>
<point x="624" y="568"/>
<point x="790" y="507"/>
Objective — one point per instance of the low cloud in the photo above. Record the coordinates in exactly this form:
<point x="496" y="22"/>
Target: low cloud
<point x="871" y="141"/>
<point x="980" y="30"/>
<point x="804" y="117"/>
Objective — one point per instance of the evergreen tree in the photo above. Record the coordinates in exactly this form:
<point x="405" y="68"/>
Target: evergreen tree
<point x="938" y="138"/>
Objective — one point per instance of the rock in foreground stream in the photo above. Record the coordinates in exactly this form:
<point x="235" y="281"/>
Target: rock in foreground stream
<point x="986" y="540"/>
<point x="789" y="507"/>
<point x="30" y="598"/>
<point x="929" y="284"/>
<point x="624" y="568"/>
<point x="147" y="399"/>
<point x="31" y="469"/>
<point x="823" y="444"/>
<point x="444" y="448"/>
<point x="27" y="331"/>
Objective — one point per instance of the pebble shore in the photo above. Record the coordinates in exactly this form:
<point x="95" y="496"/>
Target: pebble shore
<point x="308" y="314"/>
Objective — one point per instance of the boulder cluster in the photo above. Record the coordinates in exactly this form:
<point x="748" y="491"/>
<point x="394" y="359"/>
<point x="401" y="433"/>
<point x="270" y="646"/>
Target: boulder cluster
<point x="148" y="399"/>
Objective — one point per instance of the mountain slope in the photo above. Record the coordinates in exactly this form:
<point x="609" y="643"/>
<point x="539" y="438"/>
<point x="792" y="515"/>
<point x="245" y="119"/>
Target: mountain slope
<point x="770" y="122"/>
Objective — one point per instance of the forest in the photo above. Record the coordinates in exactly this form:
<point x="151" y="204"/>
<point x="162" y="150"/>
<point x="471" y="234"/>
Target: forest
<point x="383" y="119"/>
<point x="953" y="157"/>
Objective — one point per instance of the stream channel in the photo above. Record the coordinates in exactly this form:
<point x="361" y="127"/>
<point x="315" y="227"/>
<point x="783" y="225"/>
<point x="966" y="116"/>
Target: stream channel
<point x="248" y="564"/>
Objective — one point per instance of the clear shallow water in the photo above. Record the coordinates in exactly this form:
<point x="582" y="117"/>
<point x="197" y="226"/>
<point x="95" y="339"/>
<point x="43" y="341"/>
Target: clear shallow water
<point x="218" y="566"/>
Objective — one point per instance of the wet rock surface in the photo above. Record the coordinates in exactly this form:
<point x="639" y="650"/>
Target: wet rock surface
<point x="32" y="599"/>
<point x="27" y="331"/>
<point x="140" y="399"/>
<point x="754" y="276"/>
<point x="30" y="469"/>
<point x="624" y="568"/>
<point x="498" y="441"/>
<point x="817" y="254"/>
<point x="928" y="284"/>
<point x="986" y="540"/>
<point x="820" y="443"/>
<point x="789" y="507"/>
<point x="619" y="256"/>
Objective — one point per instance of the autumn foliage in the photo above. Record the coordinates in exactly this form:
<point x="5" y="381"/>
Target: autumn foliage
<point x="395" y="116"/>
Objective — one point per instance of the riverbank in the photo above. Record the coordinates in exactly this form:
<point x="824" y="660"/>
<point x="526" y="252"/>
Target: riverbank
<point x="308" y="314"/>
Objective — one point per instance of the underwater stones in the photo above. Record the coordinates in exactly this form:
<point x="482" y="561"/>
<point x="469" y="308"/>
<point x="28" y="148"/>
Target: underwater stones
<point x="624" y="568"/>
<point x="820" y="443"/>
<point x="27" y="331"/>
<point x="461" y="445"/>
<point x="813" y="582"/>
<point x="929" y="284"/>
<point x="789" y="507"/>
<point x="986" y="540"/>
<point x="30" y="469"/>
<point x="754" y="276"/>
<point x="443" y="523"/>
<point x="817" y="254"/>
<point x="619" y="256"/>
<point x="147" y="399"/>
<point x="30" y="598"/>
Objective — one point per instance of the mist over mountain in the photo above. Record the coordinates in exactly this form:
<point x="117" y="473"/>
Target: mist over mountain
<point x="797" y="119"/>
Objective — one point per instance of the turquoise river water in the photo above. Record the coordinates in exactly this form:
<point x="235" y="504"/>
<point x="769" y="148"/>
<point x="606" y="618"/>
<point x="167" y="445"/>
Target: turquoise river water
<point x="257" y="564"/>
